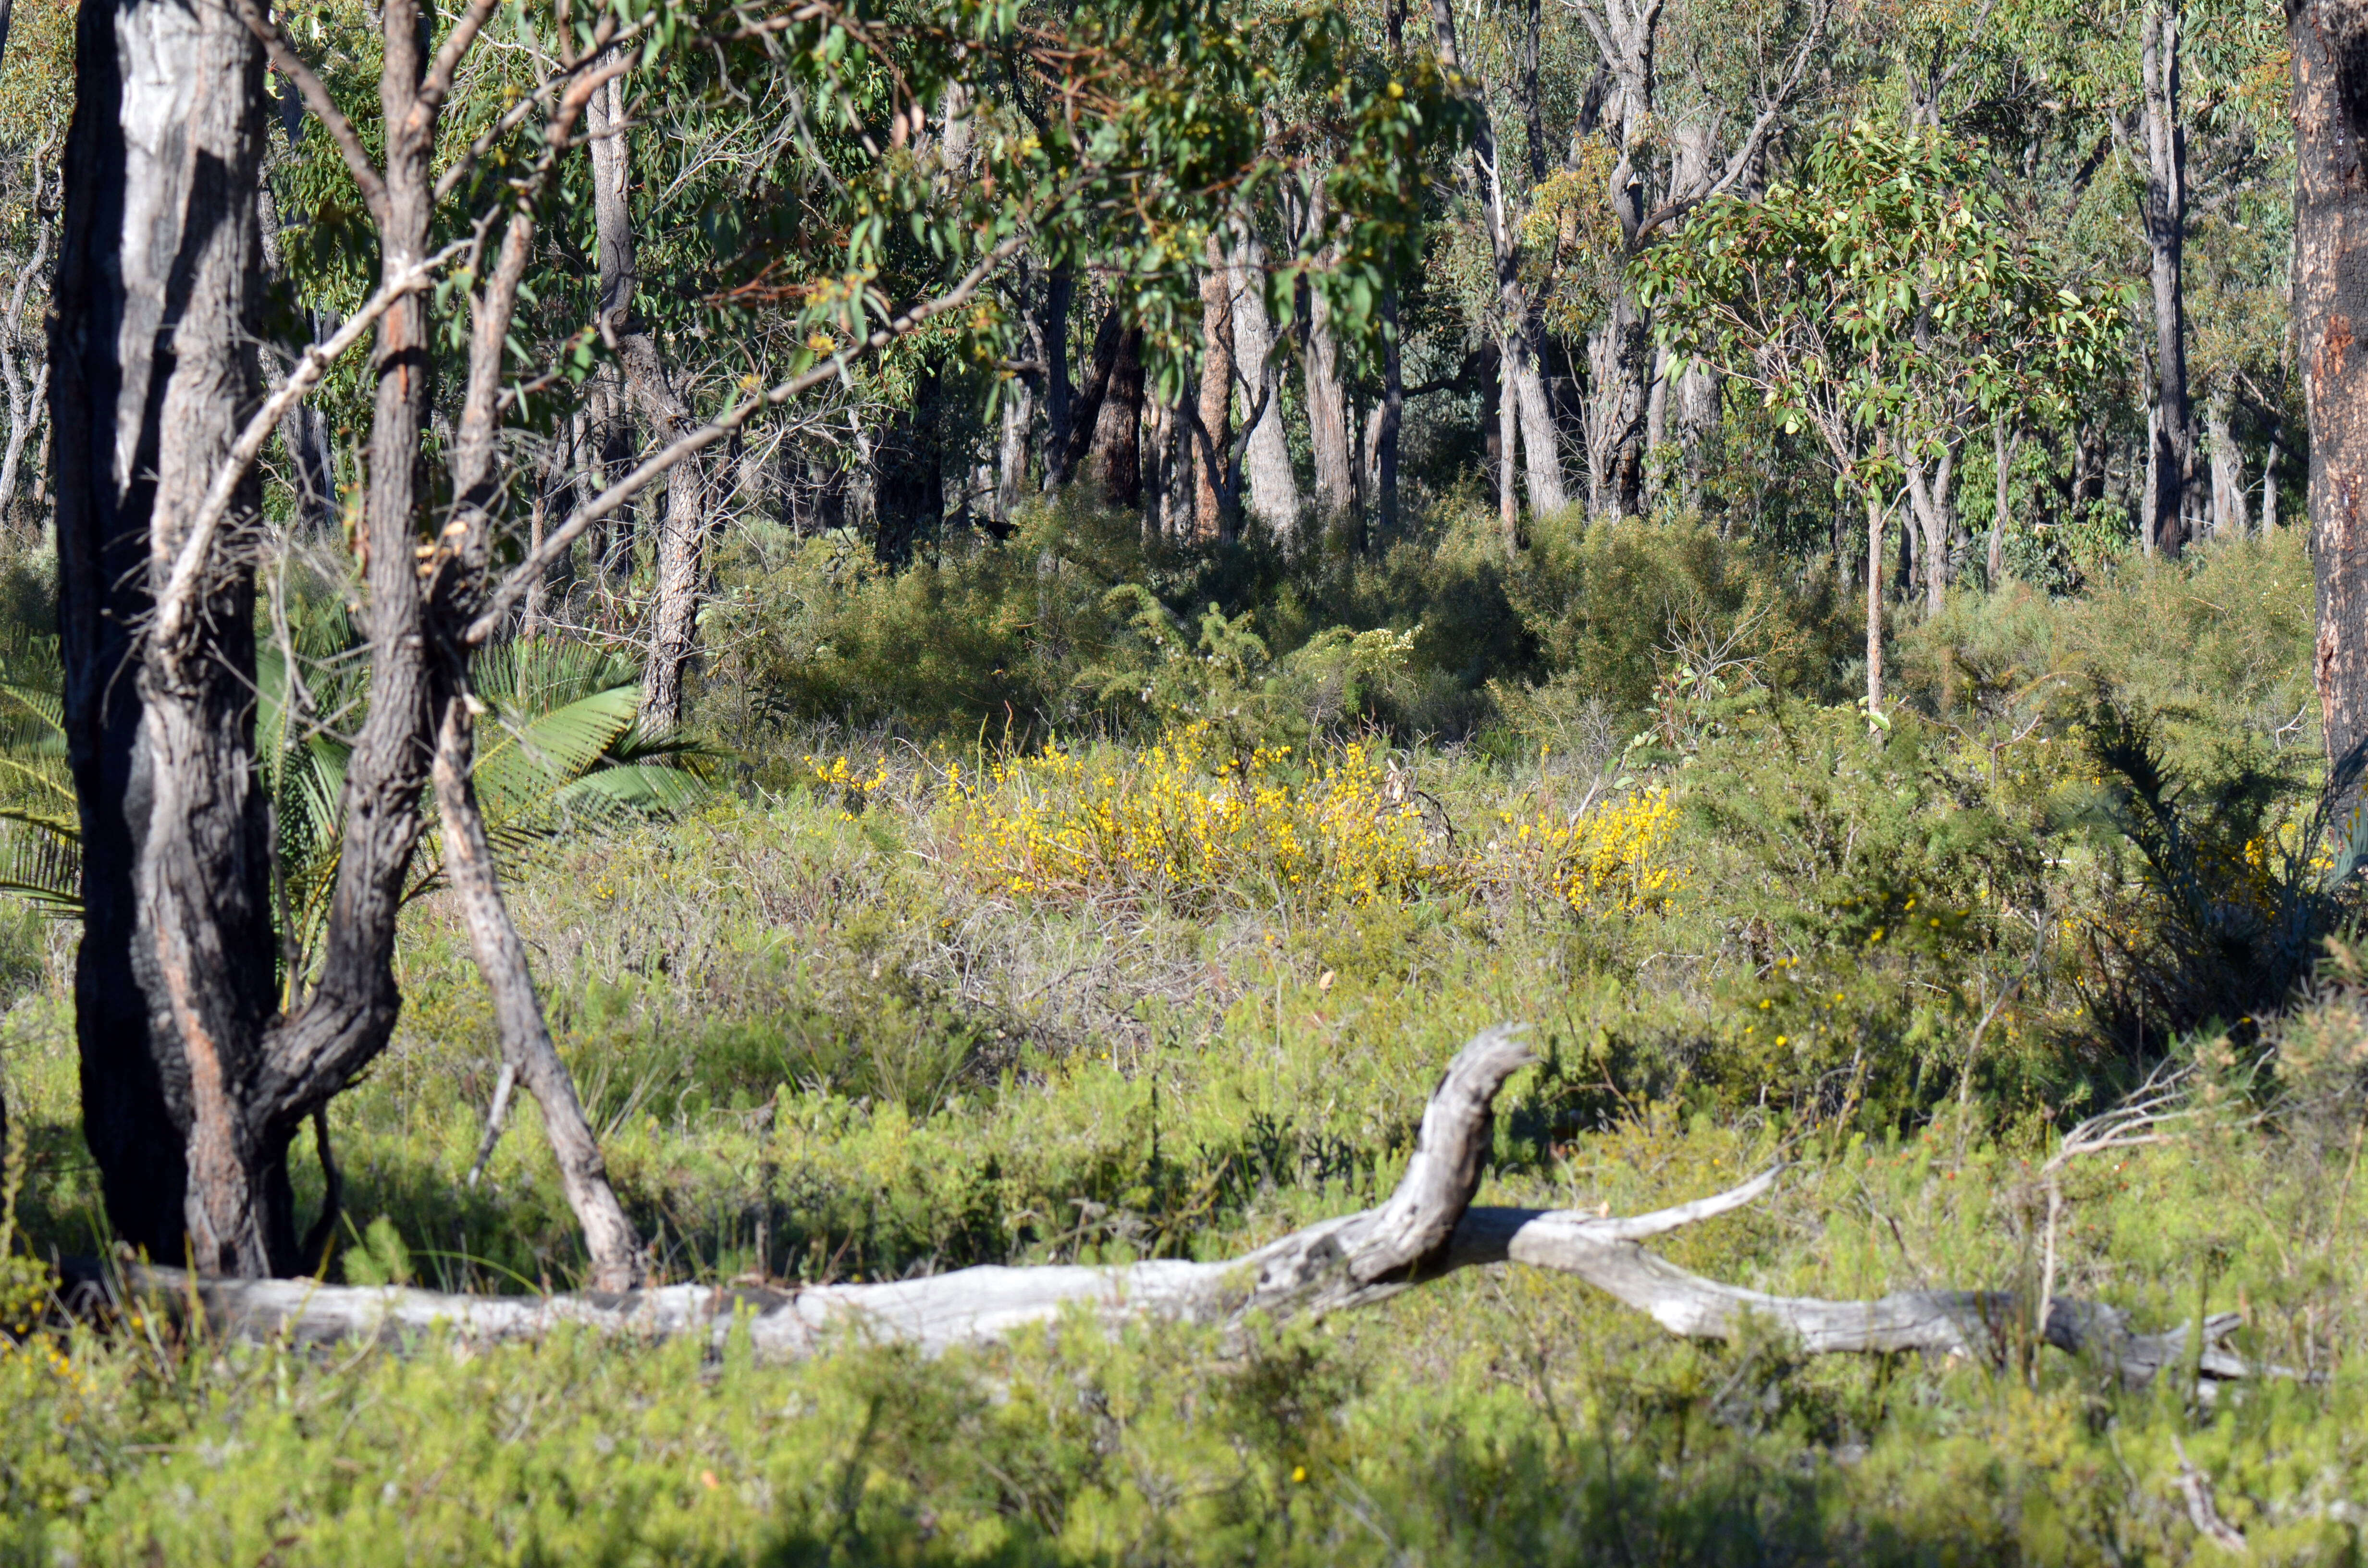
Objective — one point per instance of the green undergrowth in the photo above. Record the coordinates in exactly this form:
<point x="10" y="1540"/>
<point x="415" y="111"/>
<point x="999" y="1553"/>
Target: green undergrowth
<point x="826" y="1032"/>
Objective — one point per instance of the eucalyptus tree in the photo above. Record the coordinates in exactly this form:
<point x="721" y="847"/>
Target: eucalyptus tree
<point x="2329" y="43"/>
<point x="198" y="1070"/>
<point x="1869" y="303"/>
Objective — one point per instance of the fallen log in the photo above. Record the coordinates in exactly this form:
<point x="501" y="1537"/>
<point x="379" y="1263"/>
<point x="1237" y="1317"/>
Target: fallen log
<point x="1425" y="1230"/>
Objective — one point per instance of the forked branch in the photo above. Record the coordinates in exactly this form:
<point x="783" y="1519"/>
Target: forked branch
<point x="1425" y="1230"/>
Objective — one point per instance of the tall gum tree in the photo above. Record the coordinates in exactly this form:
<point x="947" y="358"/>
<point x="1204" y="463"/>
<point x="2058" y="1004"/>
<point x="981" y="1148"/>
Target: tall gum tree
<point x="2329" y="41"/>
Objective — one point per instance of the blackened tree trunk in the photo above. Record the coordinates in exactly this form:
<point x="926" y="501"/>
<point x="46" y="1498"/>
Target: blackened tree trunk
<point x="106" y="392"/>
<point x="2329" y="40"/>
<point x="1060" y="294"/>
<point x="155" y="339"/>
<point x="1117" y="454"/>
<point x="2166" y="218"/>
<point x="1391" y="416"/>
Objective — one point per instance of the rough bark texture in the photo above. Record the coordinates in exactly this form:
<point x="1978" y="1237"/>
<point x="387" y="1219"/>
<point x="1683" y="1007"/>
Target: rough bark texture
<point x="1328" y="418"/>
<point x="681" y="543"/>
<point x="1115" y="456"/>
<point x="106" y="390"/>
<point x="1390" y="418"/>
<point x="1272" y="489"/>
<point x="2166" y="221"/>
<point x="162" y="185"/>
<point x="27" y="392"/>
<point x="527" y="1054"/>
<point x="1214" y="438"/>
<point x="2329" y="40"/>
<point x="1425" y="1230"/>
<point x="1060" y="294"/>
<point x="315" y="1051"/>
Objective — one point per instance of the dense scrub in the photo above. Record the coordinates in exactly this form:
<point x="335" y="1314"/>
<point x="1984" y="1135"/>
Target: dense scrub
<point x="1167" y="962"/>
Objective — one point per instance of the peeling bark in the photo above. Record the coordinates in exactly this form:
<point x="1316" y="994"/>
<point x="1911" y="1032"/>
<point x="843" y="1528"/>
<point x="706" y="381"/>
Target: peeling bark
<point x="1215" y="437"/>
<point x="2329" y="40"/>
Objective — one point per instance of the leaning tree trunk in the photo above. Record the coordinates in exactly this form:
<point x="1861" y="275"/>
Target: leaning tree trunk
<point x="2329" y="40"/>
<point x="1115" y="458"/>
<point x="2166" y="221"/>
<point x="527" y="1054"/>
<point x="1928" y="489"/>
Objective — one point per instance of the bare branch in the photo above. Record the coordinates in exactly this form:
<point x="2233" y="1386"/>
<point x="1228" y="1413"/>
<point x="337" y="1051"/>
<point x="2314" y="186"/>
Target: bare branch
<point x="555" y="544"/>
<point x="175" y="606"/>
<point x="1352" y="1260"/>
<point x="288" y="63"/>
<point x="438" y="83"/>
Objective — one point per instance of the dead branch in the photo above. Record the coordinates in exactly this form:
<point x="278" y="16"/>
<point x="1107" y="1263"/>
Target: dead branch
<point x="1424" y="1231"/>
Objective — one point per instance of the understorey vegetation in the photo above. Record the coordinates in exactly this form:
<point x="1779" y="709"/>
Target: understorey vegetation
<point x="1182" y="781"/>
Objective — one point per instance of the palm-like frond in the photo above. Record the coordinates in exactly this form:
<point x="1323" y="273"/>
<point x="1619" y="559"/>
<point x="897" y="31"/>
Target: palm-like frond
<point x="557" y="751"/>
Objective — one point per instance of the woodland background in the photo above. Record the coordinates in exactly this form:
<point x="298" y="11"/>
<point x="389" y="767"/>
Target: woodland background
<point x="1762" y="541"/>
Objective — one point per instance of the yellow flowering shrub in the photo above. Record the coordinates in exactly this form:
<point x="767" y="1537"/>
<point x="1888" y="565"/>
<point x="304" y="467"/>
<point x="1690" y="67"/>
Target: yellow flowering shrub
<point x="1179" y="820"/>
<point x="1610" y="858"/>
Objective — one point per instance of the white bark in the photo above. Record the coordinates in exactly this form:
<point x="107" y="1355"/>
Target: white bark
<point x="1425" y="1230"/>
<point x="1265" y="459"/>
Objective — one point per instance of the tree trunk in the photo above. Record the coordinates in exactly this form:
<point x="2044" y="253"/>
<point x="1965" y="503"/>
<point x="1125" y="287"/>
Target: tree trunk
<point x="2003" y="451"/>
<point x="2166" y="221"/>
<point x="1215" y="437"/>
<point x="527" y="1054"/>
<point x="2329" y="40"/>
<point x="1928" y="489"/>
<point x="26" y="392"/>
<point x="2270" y="480"/>
<point x="681" y="541"/>
<point x="1266" y="457"/>
<point x="1391" y="417"/>
<point x="1426" y="1228"/>
<point x="1018" y="415"/>
<point x="1327" y="418"/>
<point x="1085" y="405"/>
<point x="2228" y="507"/>
<point x="1060" y="294"/>
<point x="1540" y="444"/>
<point x="175" y="979"/>
<point x="1874" y="514"/>
<point x="1116" y="459"/>
<point x="1620" y="360"/>
<point x="679" y="548"/>
<point x="346" y="1021"/>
